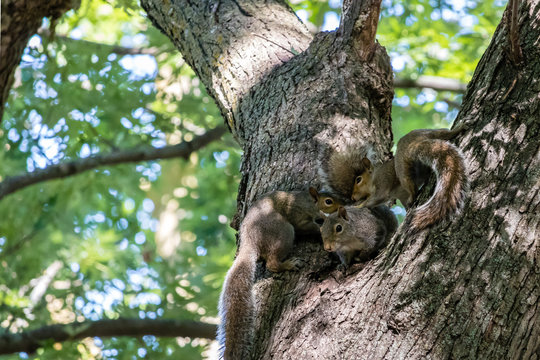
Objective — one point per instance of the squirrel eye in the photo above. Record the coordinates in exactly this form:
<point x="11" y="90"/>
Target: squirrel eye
<point x="359" y="179"/>
<point x="328" y="202"/>
<point x="339" y="228"/>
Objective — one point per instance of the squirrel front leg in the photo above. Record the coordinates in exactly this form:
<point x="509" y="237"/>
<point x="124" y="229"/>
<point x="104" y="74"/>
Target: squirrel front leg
<point x="406" y="192"/>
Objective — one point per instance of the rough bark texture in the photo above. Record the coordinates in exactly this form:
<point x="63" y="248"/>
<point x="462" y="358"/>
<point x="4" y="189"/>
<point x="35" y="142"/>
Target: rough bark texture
<point x="20" y="20"/>
<point x="466" y="289"/>
<point x="283" y="108"/>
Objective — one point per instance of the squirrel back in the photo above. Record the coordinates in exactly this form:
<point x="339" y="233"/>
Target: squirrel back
<point x="267" y="232"/>
<point x="357" y="232"/>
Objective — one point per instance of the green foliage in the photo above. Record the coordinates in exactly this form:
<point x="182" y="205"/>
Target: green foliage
<point x="152" y="240"/>
<point x="436" y="38"/>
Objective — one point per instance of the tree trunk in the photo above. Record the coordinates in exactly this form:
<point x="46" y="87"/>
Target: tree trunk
<point x="465" y="289"/>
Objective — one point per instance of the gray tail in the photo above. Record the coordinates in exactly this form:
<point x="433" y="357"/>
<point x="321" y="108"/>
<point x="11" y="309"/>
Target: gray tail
<point x="448" y="163"/>
<point x="236" y="307"/>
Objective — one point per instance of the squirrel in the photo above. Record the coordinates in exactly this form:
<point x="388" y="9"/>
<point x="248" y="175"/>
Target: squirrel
<point x="339" y="170"/>
<point x="358" y="232"/>
<point x="401" y="177"/>
<point x="324" y="200"/>
<point x="267" y="232"/>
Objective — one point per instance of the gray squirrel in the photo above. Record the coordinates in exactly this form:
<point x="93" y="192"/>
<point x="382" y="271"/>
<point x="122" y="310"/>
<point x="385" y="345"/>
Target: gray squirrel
<point x="354" y="232"/>
<point x="267" y="232"/>
<point x="400" y="177"/>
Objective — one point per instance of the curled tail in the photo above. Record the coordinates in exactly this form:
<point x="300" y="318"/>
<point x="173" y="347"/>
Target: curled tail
<point x="236" y="307"/>
<point x="448" y="163"/>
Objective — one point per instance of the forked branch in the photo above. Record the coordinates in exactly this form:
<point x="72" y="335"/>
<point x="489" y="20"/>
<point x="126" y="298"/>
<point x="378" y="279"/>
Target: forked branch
<point x="359" y="24"/>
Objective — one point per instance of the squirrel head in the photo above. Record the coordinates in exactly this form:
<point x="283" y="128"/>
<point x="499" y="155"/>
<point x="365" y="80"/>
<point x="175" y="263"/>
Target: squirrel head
<point x="324" y="201"/>
<point x="362" y="183"/>
<point x="333" y="228"/>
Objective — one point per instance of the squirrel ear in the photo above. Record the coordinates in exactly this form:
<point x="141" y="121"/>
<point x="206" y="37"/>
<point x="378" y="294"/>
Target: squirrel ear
<point x="314" y="193"/>
<point x="343" y="213"/>
<point x="366" y="162"/>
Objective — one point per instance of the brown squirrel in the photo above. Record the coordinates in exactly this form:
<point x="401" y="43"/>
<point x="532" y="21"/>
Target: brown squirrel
<point x="339" y="169"/>
<point x="267" y="232"/>
<point x="325" y="201"/>
<point x="401" y="177"/>
<point x="358" y="232"/>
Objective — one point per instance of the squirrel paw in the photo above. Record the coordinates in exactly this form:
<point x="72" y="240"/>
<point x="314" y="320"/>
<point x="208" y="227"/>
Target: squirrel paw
<point x="292" y="264"/>
<point x="360" y="205"/>
<point x="343" y="268"/>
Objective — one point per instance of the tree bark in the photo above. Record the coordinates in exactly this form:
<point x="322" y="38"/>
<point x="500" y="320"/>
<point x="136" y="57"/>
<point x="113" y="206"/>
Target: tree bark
<point x="284" y="95"/>
<point x="465" y="289"/>
<point x="20" y="20"/>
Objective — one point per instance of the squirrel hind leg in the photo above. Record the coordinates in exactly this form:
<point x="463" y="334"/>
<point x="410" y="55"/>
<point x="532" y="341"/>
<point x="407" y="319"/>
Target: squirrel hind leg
<point x="279" y="244"/>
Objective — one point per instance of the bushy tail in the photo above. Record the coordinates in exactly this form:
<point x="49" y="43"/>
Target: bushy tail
<point x="236" y="307"/>
<point x="452" y="183"/>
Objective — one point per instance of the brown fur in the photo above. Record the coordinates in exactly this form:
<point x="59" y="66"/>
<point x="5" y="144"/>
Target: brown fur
<point x="267" y="232"/>
<point x="357" y="232"/>
<point x="340" y="169"/>
<point x="325" y="202"/>
<point x="401" y="177"/>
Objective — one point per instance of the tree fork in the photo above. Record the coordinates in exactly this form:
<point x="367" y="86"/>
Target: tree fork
<point x="464" y="289"/>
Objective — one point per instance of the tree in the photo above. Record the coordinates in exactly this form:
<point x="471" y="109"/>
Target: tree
<point x="285" y="95"/>
<point x="436" y="295"/>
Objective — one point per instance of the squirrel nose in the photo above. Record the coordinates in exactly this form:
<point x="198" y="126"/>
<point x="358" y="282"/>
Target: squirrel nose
<point x="328" y="248"/>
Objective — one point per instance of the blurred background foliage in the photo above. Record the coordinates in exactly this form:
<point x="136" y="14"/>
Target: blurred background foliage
<point x="152" y="240"/>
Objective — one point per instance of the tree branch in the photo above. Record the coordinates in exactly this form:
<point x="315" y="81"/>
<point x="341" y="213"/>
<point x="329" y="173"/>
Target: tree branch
<point x="359" y="24"/>
<point x="183" y="150"/>
<point x="42" y="283"/>
<point x="30" y="341"/>
<point x="516" y="54"/>
<point x="116" y="49"/>
<point x="432" y="82"/>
